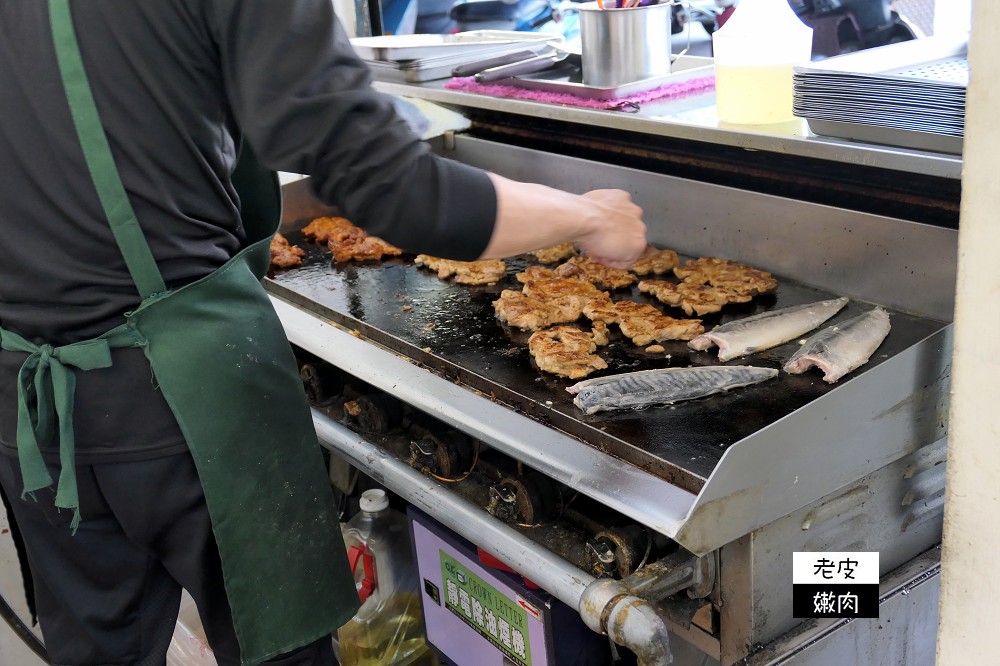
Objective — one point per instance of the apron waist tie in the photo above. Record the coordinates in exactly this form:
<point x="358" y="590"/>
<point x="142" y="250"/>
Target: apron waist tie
<point x="46" y="385"/>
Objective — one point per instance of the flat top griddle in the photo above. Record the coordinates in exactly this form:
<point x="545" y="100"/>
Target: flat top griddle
<point x="452" y="329"/>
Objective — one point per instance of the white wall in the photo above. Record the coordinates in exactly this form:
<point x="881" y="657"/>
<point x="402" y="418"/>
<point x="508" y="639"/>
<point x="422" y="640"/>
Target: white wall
<point x="970" y="586"/>
<point x="345" y="12"/>
<point x="952" y="15"/>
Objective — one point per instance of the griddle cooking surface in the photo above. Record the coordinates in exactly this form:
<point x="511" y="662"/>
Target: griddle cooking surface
<point x="681" y="443"/>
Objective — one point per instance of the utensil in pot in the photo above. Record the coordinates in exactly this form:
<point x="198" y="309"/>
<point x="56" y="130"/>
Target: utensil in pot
<point x="554" y="55"/>
<point x="622" y="46"/>
<point x="471" y="68"/>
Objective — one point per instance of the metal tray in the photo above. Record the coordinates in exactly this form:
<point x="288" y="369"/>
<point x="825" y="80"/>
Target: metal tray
<point x="441" y="66"/>
<point x="569" y="79"/>
<point x="910" y="94"/>
<point x="940" y="143"/>
<point x="917" y="60"/>
<point x="415" y="47"/>
<point x="388" y="71"/>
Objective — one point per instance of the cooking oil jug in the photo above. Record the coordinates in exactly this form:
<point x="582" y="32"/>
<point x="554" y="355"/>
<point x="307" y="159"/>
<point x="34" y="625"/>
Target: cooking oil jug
<point x="754" y="54"/>
<point x="388" y="629"/>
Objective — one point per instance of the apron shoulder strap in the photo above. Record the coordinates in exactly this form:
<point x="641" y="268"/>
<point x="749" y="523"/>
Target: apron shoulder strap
<point x="100" y="162"/>
<point x="256" y="186"/>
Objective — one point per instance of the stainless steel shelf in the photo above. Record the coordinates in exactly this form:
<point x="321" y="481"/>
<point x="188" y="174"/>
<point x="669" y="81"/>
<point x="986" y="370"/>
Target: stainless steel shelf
<point x="694" y="118"/>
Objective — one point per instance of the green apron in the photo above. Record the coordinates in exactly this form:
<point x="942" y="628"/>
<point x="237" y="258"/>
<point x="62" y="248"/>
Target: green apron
<point x="224" y="365"/>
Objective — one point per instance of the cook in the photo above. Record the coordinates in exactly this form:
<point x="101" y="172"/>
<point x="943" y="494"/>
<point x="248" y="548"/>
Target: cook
<point x="153" y="430"/>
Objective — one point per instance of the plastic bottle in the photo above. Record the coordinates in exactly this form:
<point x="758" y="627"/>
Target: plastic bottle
<point x="754" y="54"/>
<point x="388" y="629"/>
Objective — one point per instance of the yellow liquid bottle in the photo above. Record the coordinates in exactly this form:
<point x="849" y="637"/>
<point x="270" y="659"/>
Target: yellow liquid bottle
<point x="754" y="94"/>
<point x="388" y="629"/>
<point x="755" y="52"/>
<point x="389" y="635"/>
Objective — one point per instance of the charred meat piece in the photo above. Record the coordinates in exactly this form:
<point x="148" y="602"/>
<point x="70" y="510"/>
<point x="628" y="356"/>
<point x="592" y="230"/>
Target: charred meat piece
<point x="550" y="255"/>
<point x="602" y="309"/>
<point x="642" y="323"/>
<point x="567" y="351"/>
<point x="655" y="261"/>
<point x="599" y="330"/>
<point x="542" y="303"/>
<point x="489" y="271"/>
<point x="284" y="254"/>
<point x="346" y="241"/>
<point x="561" y="288"/>
<point x="697" y="269"/>
<point x="586" y="268"/>
<point x="322" y="229"/>
<point x="532" y="314"/>
<point x="747" y="286"/>
<point x="731" y="275"/>
<point x="567" y="292"/>
<point x="693" y="298"/>
<point x="360" y="246"/>
<point x="535" y="273"/>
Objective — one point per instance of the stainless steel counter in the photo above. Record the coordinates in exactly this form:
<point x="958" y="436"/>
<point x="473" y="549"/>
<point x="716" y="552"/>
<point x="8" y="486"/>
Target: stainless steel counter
<point x="693" y="117"/>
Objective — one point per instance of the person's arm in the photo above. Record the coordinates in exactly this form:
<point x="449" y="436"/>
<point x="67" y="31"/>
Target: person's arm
<point x="306" y="104"/>
<point x="603" y="223"/>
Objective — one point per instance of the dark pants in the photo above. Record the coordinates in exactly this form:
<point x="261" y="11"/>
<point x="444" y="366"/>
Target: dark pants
<point x="110" y="594"/>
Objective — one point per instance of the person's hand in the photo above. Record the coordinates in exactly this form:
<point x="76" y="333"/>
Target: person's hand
<point x="605" y="224"/>
<point x="616" y="234"/>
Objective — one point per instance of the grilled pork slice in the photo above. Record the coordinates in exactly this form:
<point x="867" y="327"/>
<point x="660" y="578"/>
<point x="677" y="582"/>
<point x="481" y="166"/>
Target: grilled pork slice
<point x="284" y="254"/>
<point x="489" y="271"/>
<point x="535" y="273"/>
<point x="360" y="246"/>
<point x="542" y="303"/>
<point x="643" y="323"/>
<point x="532" y="314"/>
<point x="569" y="293"/>
<point x="693" y="298"/>
<point x="655" y="261"/>
<point x="348" y="242"/>
<point x="322" y="229"/>
<point x="602" y="309"/>
<point x="585" y="268"/>
<point x="567" y="351"/>
<point x="550" y="255"/>
<point x="567" y="289"/>
<point x="731" y="275"/>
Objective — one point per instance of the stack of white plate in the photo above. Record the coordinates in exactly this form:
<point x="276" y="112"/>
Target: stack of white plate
<point x="910" y="94"/>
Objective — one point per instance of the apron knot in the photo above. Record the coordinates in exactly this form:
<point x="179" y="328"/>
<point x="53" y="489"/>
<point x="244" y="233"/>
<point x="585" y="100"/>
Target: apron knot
<point x="46" y="385"/>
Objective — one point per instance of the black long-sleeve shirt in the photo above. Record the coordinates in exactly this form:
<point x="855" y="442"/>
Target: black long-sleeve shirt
<point x="177" y="83"/>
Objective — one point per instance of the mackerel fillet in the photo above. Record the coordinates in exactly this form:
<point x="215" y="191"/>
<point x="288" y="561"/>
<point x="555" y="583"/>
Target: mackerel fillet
<point x="766" y="330"/>
<point x="635" y="390"/>
<point x="839" y="349"/>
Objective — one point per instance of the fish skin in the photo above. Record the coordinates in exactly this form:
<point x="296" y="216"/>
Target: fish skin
<point x="768" y="329"/>
<point x="635" y="390"/>
<point x="842" y="348"/>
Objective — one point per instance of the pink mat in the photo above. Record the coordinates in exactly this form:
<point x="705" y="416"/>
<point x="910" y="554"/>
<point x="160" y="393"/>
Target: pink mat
<point x="630" y="103"/>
